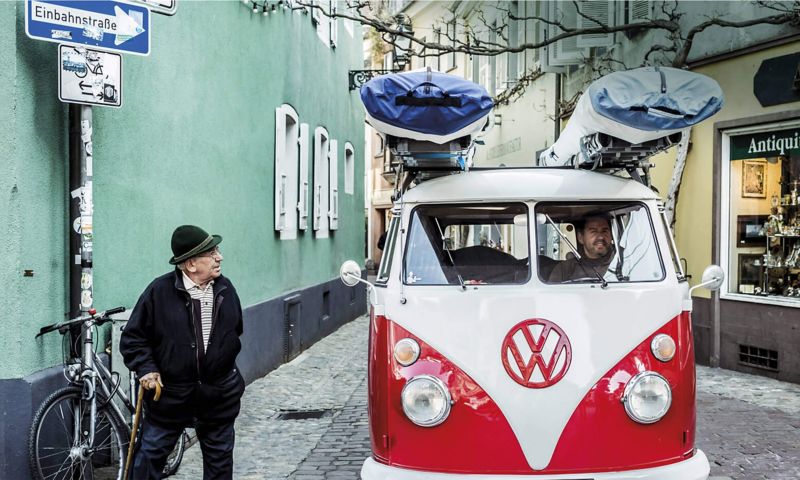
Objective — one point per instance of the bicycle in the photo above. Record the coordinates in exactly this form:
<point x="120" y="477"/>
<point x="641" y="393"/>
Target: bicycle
<point x="100" y="447"/>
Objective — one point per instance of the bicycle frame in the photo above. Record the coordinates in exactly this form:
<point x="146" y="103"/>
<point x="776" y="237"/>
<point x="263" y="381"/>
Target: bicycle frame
<point x="92" y="369"/>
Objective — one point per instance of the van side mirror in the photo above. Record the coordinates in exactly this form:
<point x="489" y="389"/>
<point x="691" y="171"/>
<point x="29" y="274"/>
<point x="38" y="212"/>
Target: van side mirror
<point x="350" y="273"/>
<point x="713" y="277"/>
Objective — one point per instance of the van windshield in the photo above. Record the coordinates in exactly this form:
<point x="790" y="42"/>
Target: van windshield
<point x="602" y="242"/>
<point x="451" y="245"/>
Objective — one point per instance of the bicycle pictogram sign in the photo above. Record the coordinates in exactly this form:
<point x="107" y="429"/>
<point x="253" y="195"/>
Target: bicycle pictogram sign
<point x="547" y="348"/>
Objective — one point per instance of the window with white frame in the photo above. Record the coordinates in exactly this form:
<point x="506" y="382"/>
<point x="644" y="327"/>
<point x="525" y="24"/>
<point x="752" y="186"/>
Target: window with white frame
<point x="348" y="24"/>
<point x="534" y="32"/>
<point x="302" y="184"/>
<point x="334" y="24"/>
<point x="320" y="187"/>
<point x="418" y="60"/>
<point x="286" y="170"/>
<point x="387" y="61"/>
<point x="349" y="167"/>
<point x="520" y="26"/>
<point x="500" y="62"/>
<point x="323" y="21"/>
<point x="448" y="60"/>
<point x="485" y="66"/>
<point x="333" y="185"/>
<point x="761" y="214"/>
<point x="566" y="51"/>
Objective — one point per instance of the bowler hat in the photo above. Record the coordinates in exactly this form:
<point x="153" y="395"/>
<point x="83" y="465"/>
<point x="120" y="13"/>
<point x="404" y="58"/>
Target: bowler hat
<point x="188" y="241"/>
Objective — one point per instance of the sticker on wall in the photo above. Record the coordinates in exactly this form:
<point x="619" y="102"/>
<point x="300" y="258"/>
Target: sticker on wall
<point x="76" y="225"/>
<point x="89" y="165"/>
<point x="86" y="130"/>
<point x="97" y="87"/>
<point x="87" y="246"/>
<point x="86" y="298"/>
<point x="86" y="281"/>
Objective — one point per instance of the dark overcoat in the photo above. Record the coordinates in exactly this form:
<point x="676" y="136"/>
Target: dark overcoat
<point x="164" y="335"/>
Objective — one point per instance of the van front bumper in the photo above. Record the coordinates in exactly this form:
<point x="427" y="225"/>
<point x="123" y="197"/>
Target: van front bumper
<point x="695" y="468"/>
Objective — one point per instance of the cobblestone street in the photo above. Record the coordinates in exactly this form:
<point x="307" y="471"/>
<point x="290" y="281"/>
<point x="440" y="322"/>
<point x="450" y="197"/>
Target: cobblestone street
<point x="748" y="426"/>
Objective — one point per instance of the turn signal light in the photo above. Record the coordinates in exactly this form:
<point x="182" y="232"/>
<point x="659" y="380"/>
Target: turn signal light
<point x="406" y="351"/>
<point x="663" y="347"/>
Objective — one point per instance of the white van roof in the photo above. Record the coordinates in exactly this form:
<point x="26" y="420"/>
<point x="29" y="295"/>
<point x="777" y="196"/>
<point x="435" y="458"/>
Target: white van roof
<point x="528" y="184"/>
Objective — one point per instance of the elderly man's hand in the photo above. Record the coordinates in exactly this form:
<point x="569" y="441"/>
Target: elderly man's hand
<point x="148" y="382"/>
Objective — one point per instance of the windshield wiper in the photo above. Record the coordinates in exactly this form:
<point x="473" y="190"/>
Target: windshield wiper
<point x="441" y="234"/>
<point x="578" y="257"/>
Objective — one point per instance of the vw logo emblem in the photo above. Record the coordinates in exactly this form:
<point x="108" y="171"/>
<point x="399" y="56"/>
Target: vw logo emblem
<point x="536" y="353"/>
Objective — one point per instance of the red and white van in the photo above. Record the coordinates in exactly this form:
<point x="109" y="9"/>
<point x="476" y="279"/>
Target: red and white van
<point x="502" y="345"/>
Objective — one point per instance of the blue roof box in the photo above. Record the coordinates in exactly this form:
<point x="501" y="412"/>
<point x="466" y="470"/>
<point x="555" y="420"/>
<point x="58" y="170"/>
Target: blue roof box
<point x="426" y="105"/>
<point x="656" y="98"/>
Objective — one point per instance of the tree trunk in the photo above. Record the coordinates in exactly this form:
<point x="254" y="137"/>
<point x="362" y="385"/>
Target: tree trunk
<point x="677" y="175"/>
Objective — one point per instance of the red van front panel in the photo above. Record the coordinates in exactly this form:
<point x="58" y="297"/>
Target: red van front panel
<point x="477" y="438"/>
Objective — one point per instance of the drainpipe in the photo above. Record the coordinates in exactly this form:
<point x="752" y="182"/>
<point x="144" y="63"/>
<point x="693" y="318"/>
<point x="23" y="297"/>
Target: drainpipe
<point x="80" y="217"/>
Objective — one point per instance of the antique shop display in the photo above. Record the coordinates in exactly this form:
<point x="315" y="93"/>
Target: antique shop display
<point x="777" y="270"/>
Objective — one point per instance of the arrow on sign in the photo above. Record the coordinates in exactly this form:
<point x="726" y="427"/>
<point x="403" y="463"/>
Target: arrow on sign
<point x="127" y="27"/>
<point x="84" y="85"/>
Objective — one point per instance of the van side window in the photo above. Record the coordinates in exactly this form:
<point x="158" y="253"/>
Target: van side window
<point x="388" y="250"/>
<point x="469" y="245"/>
<point x="581" y="242"/>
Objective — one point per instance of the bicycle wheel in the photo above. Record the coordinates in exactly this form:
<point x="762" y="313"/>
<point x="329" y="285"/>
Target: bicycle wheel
<point x="55" y="452"/>
<point x="174" y="459"/>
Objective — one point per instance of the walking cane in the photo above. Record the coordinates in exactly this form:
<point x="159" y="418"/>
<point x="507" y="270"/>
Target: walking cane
<point x="136" y="425"/>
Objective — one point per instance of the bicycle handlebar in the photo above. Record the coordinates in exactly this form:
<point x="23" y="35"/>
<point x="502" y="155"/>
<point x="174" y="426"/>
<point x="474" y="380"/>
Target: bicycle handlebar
<point x="99" y="317"/>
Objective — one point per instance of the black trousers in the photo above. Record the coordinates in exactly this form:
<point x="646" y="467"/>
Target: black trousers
<point x="157" y="441"/>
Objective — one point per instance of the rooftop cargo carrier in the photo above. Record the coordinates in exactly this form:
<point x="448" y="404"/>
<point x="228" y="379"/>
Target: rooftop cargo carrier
<point x="430" y="120"/>
<point x="628" y="116"/>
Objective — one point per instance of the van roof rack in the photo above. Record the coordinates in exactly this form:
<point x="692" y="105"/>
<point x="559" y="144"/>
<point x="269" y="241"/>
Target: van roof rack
<point x="603" y="153"/>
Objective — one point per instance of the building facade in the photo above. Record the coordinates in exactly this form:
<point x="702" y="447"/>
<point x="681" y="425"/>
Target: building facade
<point x="238" y="122"/>
<point x="736" y="205"/>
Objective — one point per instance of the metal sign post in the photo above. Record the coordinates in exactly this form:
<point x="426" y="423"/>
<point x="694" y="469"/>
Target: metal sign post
<point x="81" y="209"/>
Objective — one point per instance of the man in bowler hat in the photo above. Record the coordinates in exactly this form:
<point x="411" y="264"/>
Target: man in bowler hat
<point x="184" y="335"/>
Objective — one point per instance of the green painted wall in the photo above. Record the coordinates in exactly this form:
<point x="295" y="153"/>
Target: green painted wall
<point x="193" y="143"/>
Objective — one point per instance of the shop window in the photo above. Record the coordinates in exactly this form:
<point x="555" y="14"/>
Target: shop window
<point x="761" y="215"/>
<point x="286" y="171"/>
<point x="349" y="168"/>
<point x="320" y="187"/>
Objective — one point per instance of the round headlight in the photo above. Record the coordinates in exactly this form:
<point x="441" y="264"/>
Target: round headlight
<point x="647" y="397"/>
<point x="663" y="347"/>
<point x="406" y="351"/>
<point x="425" y="400"/>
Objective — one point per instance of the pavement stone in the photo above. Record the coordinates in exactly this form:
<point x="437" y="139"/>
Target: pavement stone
<point x="323" y="377"/>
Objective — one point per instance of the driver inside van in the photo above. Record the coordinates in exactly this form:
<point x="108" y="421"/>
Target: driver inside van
<point x="595" y="238"/>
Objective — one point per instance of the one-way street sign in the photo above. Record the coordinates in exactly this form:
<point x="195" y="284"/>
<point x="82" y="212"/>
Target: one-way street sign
<point x="108" y="25"/>
<point x="90" y="77"/>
